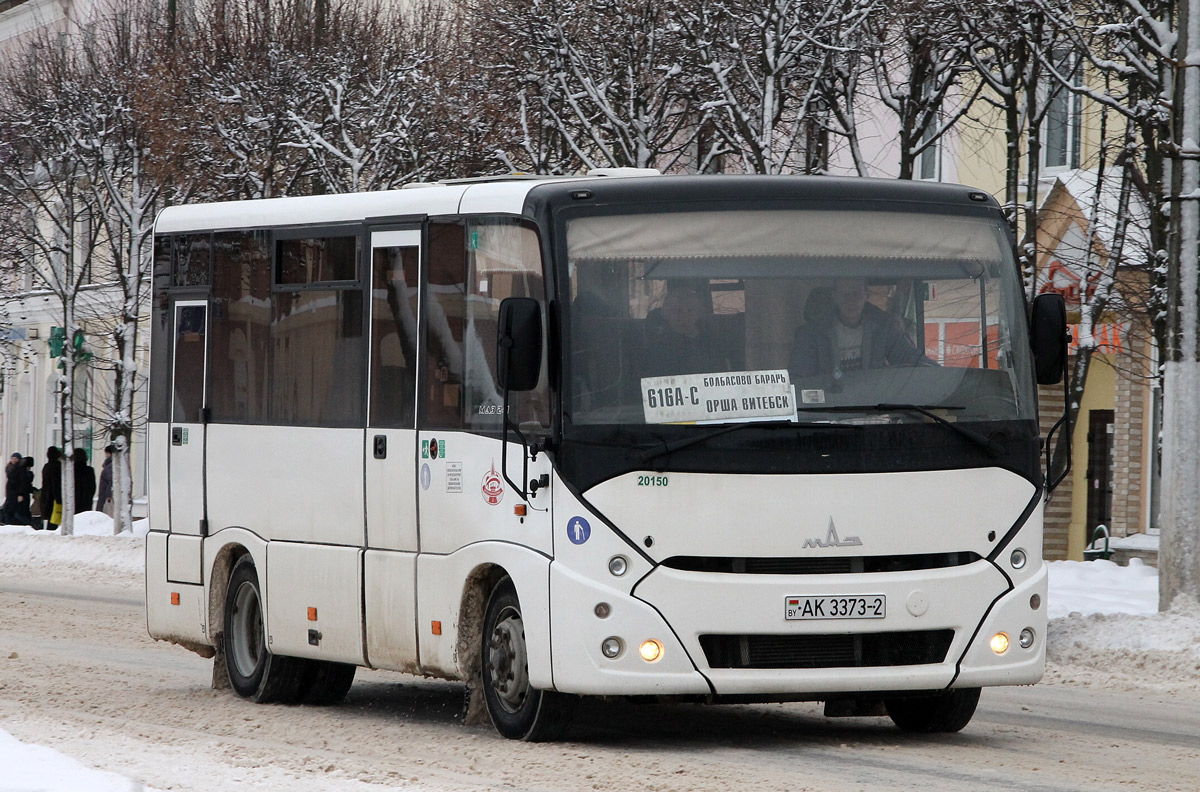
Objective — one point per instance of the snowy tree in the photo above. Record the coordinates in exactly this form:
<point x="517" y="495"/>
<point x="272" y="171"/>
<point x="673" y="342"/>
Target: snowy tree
<point x="47" y="217"/>
<point x="918" y="57"/>
<point x="367" y="104"/>
<point x="838" y="85"/>
<point x="759" y="68"/>
<point x="114" y="142"/>
<point x="598" y="84"/>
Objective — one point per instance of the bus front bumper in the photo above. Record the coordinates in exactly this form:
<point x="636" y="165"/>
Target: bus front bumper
<point x="727" y="634"/>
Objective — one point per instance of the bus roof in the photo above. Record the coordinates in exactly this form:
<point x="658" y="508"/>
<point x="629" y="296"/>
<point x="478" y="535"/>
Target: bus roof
<point x="509" y="195"/>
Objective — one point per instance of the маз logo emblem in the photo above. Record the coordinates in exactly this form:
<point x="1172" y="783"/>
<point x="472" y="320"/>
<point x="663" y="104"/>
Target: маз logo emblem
<point x="833" y="540"/>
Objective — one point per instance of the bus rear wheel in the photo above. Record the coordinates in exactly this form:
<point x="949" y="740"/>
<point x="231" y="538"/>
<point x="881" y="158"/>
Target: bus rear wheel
<point x="947" y="711"/>
<point x="254" y="671"/>
<point x="517" y="710"/>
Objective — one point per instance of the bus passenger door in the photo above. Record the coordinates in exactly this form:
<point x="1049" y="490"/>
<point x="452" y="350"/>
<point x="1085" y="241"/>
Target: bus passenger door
<point x="390" y="448"/>
<point x="185" y="460"/>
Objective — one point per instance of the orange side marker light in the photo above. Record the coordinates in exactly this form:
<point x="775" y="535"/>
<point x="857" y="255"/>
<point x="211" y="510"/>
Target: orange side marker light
<point x="174" y="597"/>
<point x="436" y="627"/>
<point x="312" y="614"/>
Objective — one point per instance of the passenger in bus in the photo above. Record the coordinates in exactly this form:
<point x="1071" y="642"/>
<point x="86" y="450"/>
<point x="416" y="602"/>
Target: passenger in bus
<point x="850" y="335"/>
<point x="679" y="337"/>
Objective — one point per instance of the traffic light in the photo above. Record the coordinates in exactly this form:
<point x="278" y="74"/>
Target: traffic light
<point x="58" y="340"/>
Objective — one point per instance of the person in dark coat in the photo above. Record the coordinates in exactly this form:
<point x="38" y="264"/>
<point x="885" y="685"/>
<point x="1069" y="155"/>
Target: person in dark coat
<point x="853" y="336"/>
<point x="20" y="491"/>
<point x="105" y="491"/>
<point x="51" y="486"/>
<point x="17" y="486"/>
<point x="6" y="511"/>
<point x="85" y="481"/>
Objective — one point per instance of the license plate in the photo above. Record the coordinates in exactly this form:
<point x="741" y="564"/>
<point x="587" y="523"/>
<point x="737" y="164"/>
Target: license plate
<point x="850" y="606"/>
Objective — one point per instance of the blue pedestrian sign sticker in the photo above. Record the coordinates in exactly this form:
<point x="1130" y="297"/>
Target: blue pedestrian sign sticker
<point x="578" y="530"/>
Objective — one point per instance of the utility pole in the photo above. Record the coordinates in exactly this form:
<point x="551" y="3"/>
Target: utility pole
<point x="1179" y="548"/>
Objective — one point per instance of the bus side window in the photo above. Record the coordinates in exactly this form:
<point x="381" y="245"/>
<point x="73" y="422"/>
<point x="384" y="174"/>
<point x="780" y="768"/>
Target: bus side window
<point x="241" y="327"/>
<point x="504" y="260"/>
<point x="445" y="315"/>
<point x="393" y="336"/>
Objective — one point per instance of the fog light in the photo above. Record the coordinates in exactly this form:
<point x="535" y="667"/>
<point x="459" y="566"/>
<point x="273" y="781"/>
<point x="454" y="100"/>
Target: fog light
<point x="618" y="565"/>
<point x="999" y="643"/>
<point x="602" y="610"/>
<point x="611" y="647"/>
<point x="651" y="650"/>
<point x="1025" y="639"/>
<point x="1018" y="558"/>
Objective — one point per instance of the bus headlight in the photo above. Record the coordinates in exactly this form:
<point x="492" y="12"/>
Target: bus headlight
<point x="618" y="565"/>
<point x="1025" y="639"/>
<point x="651" y="651"/>
<point x="1018" y="558"/>
<point x="999" y="643"/>
<point x="611" y="647"/>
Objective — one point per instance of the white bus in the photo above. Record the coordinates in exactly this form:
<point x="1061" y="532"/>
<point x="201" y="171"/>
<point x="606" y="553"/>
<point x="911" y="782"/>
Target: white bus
<point x="716" y="438"/>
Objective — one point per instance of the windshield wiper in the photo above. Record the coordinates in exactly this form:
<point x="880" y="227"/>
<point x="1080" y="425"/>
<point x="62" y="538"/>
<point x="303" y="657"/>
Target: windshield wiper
<point x="667" y="447"/>
<point x="986" y="443"/>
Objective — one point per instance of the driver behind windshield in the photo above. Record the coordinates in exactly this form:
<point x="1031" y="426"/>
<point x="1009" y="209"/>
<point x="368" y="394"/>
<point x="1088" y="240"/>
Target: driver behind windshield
<point x="679" y="336"/>
<point x="849" y="335"/>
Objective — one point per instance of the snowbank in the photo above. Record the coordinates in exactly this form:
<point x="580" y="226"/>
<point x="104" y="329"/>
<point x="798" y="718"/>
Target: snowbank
<point x="91" y="554"/>
<point x="36" y="767"/>
<point x="1101" y="587"/>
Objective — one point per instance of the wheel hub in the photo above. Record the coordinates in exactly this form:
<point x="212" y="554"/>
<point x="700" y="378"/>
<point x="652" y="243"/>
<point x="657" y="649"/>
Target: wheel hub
<point x="245" y="644"/>
<point x="508" y="667"/>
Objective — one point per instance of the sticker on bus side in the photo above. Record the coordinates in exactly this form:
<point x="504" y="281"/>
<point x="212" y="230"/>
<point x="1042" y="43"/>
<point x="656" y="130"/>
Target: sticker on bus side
<point x="731" y="395"/>
<point x="578" y="530"/>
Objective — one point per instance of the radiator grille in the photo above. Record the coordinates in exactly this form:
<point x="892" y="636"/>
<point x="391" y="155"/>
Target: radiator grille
<point x="819" y="565"/>
<point x="864" y="650"/>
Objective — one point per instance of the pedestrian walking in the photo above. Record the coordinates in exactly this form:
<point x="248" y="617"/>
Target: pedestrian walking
<point x="104" y="494"/>
<point x="18" y="486"/>
<point x="50" y="498"/>
<point x="6" y="511"/>
<point x="85" y="481"/>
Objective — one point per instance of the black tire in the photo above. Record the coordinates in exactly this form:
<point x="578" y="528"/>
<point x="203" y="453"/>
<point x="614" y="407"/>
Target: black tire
<point x="326" y="683"/>
<point x="947" y="711"/>
<point x="254" y="672"/>
<point x="518" y="711"/>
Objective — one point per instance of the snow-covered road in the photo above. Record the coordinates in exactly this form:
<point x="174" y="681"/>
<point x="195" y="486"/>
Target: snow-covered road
<point x="79" y="675"/>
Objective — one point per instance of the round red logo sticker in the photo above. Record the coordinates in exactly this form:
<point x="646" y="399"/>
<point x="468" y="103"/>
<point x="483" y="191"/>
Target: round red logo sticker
<point x="493" y="486"/>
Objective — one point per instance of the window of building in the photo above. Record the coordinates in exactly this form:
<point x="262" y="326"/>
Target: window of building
<point x="1062" y="127"/>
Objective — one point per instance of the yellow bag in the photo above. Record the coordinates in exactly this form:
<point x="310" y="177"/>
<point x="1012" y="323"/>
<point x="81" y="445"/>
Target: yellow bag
<point x="56" y="515"/>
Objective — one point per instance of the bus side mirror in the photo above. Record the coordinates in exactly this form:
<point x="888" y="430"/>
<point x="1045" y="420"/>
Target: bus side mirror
<point x="1048" y="337"/>
<point x="519" y="343"/>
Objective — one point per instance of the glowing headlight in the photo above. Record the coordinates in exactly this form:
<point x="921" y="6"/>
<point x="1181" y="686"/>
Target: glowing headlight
<point x="651" y="650"/>
<point x="999" y="643"/>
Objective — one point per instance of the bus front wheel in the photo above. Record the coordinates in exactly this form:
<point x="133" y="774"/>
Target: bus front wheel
<point x="517" y="710"/>
<point x="254" y="672"/>
<point x="947" y="711"/>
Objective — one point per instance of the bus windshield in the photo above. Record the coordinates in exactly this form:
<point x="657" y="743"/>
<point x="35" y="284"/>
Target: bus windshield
<point x="851" y="315"/>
